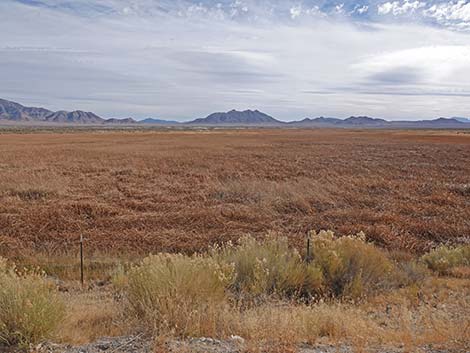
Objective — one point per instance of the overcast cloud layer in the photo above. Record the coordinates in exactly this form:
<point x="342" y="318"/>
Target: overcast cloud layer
<point x="182" y="59"/>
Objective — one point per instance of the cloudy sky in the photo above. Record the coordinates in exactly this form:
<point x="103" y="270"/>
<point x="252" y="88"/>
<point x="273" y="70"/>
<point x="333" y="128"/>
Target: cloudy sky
<point x="182" y="59"/>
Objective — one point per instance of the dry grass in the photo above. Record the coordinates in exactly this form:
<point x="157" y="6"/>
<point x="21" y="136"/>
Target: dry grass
<point x="91" y="315"/>
<point x="141" y="192"/>
<point x="30" y="308"/>
<point x="97" y="266"/>
<point x="173" y="293"/>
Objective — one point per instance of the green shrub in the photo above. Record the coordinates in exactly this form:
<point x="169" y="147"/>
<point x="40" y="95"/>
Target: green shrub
<point x="270" y="267"/>
<point x="30" y="308"/>
<point x="444" y="258"/>
<point x="178" y="293"/>
<point x="351" y="267"/>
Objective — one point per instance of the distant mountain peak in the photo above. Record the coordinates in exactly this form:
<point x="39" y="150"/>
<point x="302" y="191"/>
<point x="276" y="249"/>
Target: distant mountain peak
<point x="442" y="120"/>
<point x="16" y="112"/>
<point x="236" y="117"/>
<point x="363" y="120"/>
<point x="75" y="117"/>
<point x="123" y="121"/>
<point x="13" y="111"/>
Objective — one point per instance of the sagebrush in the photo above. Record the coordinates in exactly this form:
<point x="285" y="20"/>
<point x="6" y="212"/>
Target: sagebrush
<point x="30" y="308"/>
<point x="444" y="258"/>
<point x="196" y="295"/>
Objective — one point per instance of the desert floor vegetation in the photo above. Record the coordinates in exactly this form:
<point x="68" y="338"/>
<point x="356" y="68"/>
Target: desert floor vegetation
<point x="348" y="292"/>
<point x="30" y="307"/>
<point x="265" y="291"/>
<point x="138" y="192"/>
<point x="203" y="233"/>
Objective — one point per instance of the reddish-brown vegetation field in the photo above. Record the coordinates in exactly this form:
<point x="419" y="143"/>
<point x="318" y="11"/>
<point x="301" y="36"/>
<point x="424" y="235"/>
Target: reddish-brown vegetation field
<point x="147" y="191"/>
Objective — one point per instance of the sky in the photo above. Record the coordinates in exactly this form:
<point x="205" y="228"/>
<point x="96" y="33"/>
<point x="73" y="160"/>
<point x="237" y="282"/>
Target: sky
<point x="184" y="59"/>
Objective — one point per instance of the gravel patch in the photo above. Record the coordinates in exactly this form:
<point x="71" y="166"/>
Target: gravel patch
<point x="141" y="344"/>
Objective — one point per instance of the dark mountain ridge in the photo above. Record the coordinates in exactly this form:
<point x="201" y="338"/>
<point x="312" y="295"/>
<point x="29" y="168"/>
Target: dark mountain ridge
<point x="235" y="117"/>
<point x="16" y="113"/>
<point x="75" y="117"/>
<point x="368" y="122"/>
<point x="12" y="111"/>
<point x="124" y="121"/>
<point x="363" y="120"/>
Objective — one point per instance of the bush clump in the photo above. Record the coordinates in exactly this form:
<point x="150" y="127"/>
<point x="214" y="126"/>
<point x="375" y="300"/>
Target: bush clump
<point x="443" y="259"/>
<point x="174" y="292"/>
<point x="351" y="267"/>
<point x="30" y="309"/>
<point x="269" y="267"/>
<point x="197" y="295"/>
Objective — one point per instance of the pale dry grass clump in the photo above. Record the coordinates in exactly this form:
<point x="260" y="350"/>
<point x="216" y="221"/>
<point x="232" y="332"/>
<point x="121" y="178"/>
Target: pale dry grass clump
<point x="444" y="258"/>
<point x="294" y="323"/>
<point x="30" y="308"/>
<point x="66" y="267"/>
<point x="28" y="184"/>
<point x="177" y="293"/>
<point x="289" y="197"/>
<point x="90" y="315"/>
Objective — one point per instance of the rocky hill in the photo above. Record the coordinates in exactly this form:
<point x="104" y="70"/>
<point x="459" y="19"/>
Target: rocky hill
<point x="12" y="111"/>
<point x="75" y="117"/>
<point x="125" y="121"/>
<point x="16" y="112"/>
<point x="235" y="117"/>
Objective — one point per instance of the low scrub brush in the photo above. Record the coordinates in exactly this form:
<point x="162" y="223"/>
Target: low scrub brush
<point x="443" y="259"/>
<point x="30" y="309"/>
<point x="177" y="293"/>
<point x="351" y="267"/>
<point x="270" y="267"/>
<point x="197" y="295"/>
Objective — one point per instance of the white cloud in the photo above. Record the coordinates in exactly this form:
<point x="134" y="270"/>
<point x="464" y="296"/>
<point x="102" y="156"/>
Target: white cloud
<point x="361" y="9"/>
<point x="451" y="11"/>
<point x="400" y="8"/>
<point x="438" y="63"/>
<point x="339" y="8"/>
<point x="295" y="11"/>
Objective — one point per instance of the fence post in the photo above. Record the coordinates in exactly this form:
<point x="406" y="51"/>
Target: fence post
<point x="308" y="257"/>
<point x="81" y="259"/>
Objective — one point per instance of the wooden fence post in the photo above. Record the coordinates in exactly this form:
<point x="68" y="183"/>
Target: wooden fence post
<point x="308" y="257"/>
<point x="81" y="259"/>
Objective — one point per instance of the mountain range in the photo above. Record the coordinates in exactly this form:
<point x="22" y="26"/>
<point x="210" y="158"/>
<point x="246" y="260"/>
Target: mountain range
<point x="12" y="112"/>
<point x="16" y="112"/>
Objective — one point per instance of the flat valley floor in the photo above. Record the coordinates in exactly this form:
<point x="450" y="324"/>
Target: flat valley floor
<point x="153" y="190"/>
